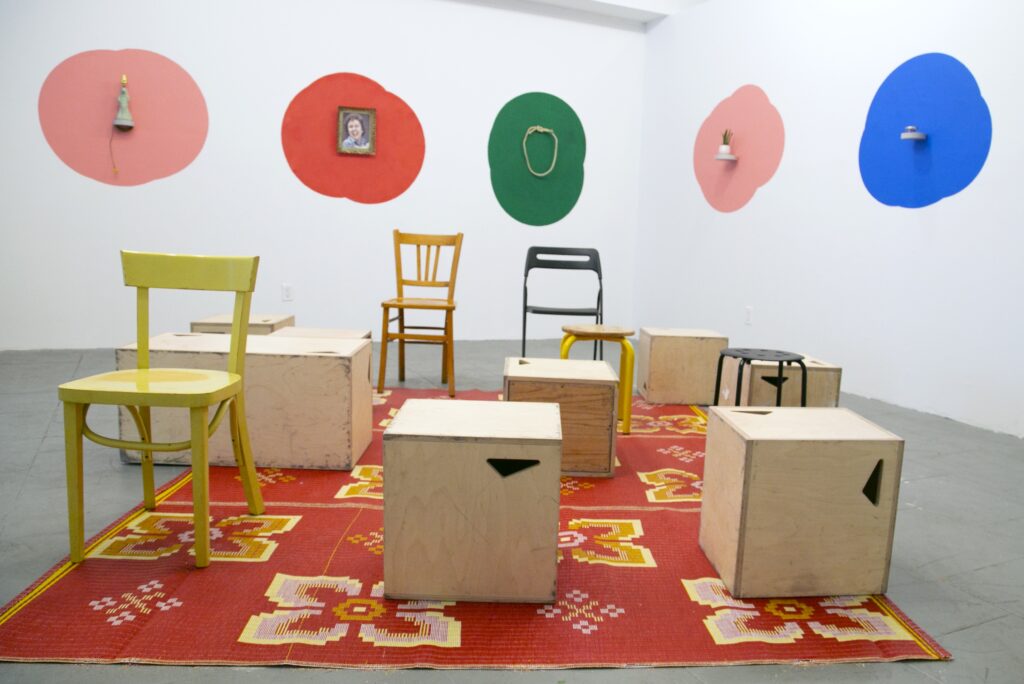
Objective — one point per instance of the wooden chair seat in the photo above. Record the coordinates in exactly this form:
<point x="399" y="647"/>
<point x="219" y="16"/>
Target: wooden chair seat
<point x="598" y="332"/>
<point x="419" y="303"/>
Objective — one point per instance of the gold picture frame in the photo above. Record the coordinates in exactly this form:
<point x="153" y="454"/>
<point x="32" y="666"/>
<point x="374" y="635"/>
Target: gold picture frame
<point x="348" y="141"/>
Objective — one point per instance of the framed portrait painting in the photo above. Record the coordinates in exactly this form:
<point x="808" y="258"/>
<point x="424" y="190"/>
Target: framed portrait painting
<point x="357" y="131"/>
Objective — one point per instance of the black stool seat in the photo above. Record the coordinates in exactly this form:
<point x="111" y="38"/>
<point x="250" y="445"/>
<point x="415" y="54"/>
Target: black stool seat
<point x="772" y="355"/>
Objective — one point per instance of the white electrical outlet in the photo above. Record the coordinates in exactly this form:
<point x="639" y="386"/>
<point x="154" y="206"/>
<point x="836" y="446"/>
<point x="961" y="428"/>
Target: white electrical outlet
<point x="749" y="319"/>
<point x="287" y="292"/>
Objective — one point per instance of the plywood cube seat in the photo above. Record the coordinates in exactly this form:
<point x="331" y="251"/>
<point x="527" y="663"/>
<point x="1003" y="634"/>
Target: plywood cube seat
<point x="471" y="501"/>
<point x="677" y="365"/>
<point x="760" y="379"/>
<point x="309" y="401"/>
<point x="799" y="501"/>
<point x="586" y="393"/>
<point x="259" y="324"/>
<point x="322" y="333"/>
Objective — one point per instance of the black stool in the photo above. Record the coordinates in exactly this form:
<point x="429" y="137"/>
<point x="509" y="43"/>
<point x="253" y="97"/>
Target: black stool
<point x="749" y="356"/>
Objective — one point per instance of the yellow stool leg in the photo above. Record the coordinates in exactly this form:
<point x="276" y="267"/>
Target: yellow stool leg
<point x="74" y="416"/>
<point x="626" y="385"/>
<point x="567" y="343"/>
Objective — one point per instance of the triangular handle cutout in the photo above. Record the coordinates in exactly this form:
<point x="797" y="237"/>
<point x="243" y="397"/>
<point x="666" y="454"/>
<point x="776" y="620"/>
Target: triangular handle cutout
<point x="756" y="413"/>
<point x="873" y="486"/>
<point x="773" y="380"/>
<point x="511" y="466"/>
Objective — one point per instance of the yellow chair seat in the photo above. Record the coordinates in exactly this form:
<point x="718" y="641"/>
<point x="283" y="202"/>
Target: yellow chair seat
<point x="175" y="387"/>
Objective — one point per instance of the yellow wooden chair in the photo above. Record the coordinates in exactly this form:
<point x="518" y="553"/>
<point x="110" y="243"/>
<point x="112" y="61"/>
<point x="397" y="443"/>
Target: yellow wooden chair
<point x="428" y="258"/>
<point x="196" y="390"/>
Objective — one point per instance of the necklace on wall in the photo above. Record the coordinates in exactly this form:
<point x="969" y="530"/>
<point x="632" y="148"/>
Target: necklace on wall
<point x="540" y="129"/>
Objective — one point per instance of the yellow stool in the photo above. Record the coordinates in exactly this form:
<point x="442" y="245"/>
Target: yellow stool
<point x="609" y="333"/>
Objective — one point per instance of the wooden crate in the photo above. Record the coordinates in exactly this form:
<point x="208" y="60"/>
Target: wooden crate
<point x="799" y="501"/>
<point x="259" y="324"/>
<point x="586" y="392"/>
<point x="760" y="378"/>
<point x="308" y="401"/>
<point x="455" y="527"/>
<point x="324" y="333"/>
<point x="677" y="366"/>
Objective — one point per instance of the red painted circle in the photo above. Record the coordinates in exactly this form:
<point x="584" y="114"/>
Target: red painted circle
<point x="78" y="102"/>
<point x="309" y="135"/>
<point x="758" y="140"/>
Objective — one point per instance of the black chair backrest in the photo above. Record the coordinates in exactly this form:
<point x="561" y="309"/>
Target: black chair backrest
<point x="538" y="257"/>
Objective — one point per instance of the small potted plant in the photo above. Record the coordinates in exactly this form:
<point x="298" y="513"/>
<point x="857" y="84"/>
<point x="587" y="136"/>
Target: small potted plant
<point x="726" y="146"/>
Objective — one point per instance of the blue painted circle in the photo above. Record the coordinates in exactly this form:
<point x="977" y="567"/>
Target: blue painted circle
<point x="938" y="95"/>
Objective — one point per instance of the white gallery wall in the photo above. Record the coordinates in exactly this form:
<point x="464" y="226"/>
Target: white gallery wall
<point x="454" y="63"/>
<point x="921" y="307"/>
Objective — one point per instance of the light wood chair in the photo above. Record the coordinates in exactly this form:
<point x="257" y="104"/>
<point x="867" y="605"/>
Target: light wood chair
<point x="197" y="390"/>
<point x="428" y="250"/>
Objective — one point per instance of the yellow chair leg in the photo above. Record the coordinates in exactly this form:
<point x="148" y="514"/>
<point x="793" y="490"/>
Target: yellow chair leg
<point x="401" y="346"/>
<point x="74" y="417"/>
<point x="148" y="487"/>
<point x="567" y="343"/>
<point x="449" y="349"/>
<point x="200" y="486"/>
<point x="244" y="457"/>
<point x="626" y="385"/>
<point x="383" y="351"/>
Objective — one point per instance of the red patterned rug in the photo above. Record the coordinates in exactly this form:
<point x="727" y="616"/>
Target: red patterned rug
<point x="302" y="584"/>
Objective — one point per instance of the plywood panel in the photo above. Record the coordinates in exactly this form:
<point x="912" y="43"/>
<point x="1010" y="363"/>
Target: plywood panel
<point x="586" y="392"/>
<point x="455" y="528"/>
<point x="677" y="365"/>
<point x="259" y="324"/>
<point x="308" y="402"/>
<point x="799" y="502"/>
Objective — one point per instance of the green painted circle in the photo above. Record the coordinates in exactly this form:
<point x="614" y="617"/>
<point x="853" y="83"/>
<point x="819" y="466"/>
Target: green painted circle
<point x="525" y="197"/>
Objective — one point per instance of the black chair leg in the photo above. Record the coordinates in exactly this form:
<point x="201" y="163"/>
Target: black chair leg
<point x="739" y="382"/>
<point x="718" y="380"/>
<point x="524" y="332"/>
<point x="803" y="384"/>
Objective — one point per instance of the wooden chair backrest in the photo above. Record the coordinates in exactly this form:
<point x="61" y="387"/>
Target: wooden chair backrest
<point x="146" y="270"/>
<point x="428" y="258"/>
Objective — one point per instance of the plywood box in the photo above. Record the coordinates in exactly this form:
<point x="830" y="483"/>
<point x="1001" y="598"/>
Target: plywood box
<point x="259" y="324"/>
<point x="760" y="379"/>
<point x="677" y="366"/>
<point x="587" y="393"/>
<point x="323" y="333"/>
<point x="471" y="492"/>
<point x="799" y="501"/>
<point x="308" y="401"/>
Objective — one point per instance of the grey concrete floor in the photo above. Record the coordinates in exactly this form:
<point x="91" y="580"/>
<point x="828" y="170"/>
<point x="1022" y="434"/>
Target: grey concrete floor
<point x="957" y="563"/>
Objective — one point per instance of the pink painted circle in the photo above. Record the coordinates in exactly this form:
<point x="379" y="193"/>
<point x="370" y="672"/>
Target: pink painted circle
<point x="78" y="102"/>
<point x="758" y="139"/>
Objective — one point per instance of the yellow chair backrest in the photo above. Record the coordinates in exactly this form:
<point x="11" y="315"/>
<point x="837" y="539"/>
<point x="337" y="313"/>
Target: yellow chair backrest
<point x="146" y="270"/>
<point x="428" y="258"/>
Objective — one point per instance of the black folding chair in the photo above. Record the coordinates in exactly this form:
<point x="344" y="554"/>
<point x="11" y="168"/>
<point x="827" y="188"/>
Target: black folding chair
<point x="580" y="259"/>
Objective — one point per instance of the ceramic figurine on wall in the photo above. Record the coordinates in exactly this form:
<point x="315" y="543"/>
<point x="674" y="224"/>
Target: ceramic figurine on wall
<point x="123" y="121"/>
